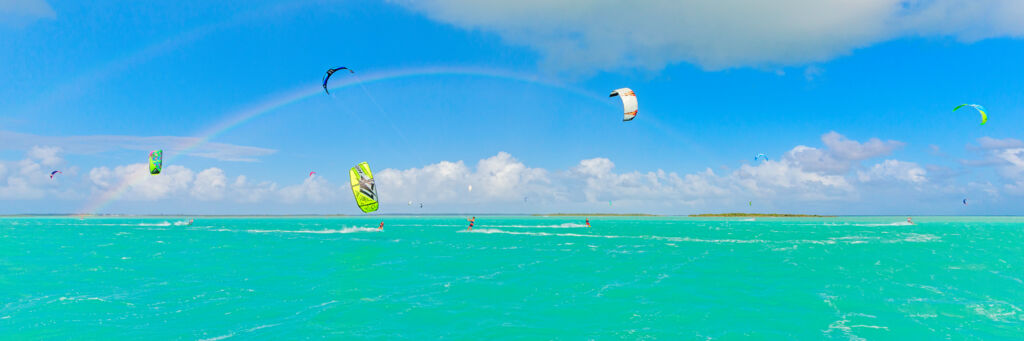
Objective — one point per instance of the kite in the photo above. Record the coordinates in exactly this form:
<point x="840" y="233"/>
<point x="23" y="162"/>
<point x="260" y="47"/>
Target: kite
<point x="363" y="187"/>
<point x="156" y="161"/>
<point x="331" y="72"/>
<point x="629" y="105"/>
<point x="980" y="109"/>
<point x="763" y="156"/>
<point x="54" y="172"/>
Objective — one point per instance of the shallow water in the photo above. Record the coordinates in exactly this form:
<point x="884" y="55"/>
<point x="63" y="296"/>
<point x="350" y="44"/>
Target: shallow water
<point x="524" y="277"/>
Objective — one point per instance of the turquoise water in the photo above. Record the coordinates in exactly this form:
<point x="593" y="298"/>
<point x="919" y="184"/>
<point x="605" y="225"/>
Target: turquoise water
<point x="512" y="277"/>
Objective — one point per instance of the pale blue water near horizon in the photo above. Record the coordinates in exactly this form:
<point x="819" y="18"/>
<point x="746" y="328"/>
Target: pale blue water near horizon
<point x="511" y="277"/>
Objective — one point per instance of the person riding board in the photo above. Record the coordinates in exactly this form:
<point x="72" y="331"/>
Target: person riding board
<point x="381" y="225"/>
<point x="588" y="221"/>
<point x="471" y="221"/>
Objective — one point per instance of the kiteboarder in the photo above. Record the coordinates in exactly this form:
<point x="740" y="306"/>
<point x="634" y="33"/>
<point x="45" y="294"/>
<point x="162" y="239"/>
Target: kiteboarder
<point x="588" y="222"/>
<point x="381" y="225"/>
<point x="471" y="221"/>
<point x="909" y="221"/>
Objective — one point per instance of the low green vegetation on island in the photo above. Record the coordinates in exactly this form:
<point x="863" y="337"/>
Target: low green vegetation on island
<point x="595" y="215"/>
<point x="748" y="215"/>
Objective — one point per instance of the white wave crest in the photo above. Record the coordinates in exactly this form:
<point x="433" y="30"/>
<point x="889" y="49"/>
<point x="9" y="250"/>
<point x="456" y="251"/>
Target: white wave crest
<point x="559" y="226"/>
<point x="898" y="223"/>
<point x="344" y="230"/>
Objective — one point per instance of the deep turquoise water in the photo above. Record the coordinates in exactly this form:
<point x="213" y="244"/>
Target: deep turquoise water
<point x="512" y="277"/>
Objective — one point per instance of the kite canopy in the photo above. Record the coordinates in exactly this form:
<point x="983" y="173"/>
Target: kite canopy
<point x="331" y="72"/>
<point x="54" y="172"/>
<point x="363" y="187"/>
<point x="156" y="161"/>
<point x="965" y="202"/>
<point x="762" y="156"/>
<point x="980" y="109"/>
<point x="629" y="105"/>
<point x="311" y="173"/>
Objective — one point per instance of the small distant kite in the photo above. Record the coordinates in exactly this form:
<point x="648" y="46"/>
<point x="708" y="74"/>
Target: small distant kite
<point x="54" y="172"/>
<point x="965" y="201"/>
<point x="331" y="72"/>
<point x="629" y="104"/>
<point x="980" y="109"/>
<point x="470" y="188"/>
<point x="762" y="156"/>
<point x="156" y="161"/>
<point x="311" y="173"/>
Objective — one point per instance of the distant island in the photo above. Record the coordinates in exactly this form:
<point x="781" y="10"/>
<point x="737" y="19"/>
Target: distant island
<point x="750" y="215"/>
<point x="595" y="215"/>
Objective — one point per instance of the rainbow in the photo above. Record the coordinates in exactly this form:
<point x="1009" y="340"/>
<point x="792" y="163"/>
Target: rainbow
<point x="297" y="95"/>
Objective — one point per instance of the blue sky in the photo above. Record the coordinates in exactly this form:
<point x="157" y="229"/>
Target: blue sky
<point x="852" y="103"/>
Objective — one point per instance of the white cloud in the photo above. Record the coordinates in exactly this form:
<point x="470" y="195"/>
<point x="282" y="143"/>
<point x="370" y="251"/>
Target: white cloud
<point x="30" y="178"/>
<point x="135" y="182"/>
<point x="313" y="189"/>
<point x="893" y="170"/>
<point x="19" y="13"/>
<point x="47" y="156"/>
<point x="804" y="173"/>
<point x="170" y="144"/>
<point x="209" y="184"/>
<point x="586" y="35"/>
<point x="992" y="143"/>
<point x="244" y="191"/>
<point x="500" y="178"/>
<point x="840" y="154"/>
<point x="802" y="177"/>
<point x="1006" y="155"/>
<point x="852" y="150"/>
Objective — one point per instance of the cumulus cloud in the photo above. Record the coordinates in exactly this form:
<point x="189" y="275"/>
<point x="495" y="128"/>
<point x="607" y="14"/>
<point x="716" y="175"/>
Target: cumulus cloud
<point x="500" y="178"/>
<point x="585" y="35"/>
<point x="840" y="154"/>
<point x="830" y="172"/>
<point x="171" y="145"/>
<point x="313" y="189"/>
<point x="804" y="173"/>
<point x="209" y="184"/>
<point x="135" y="182"/>
<point x="18" y="13"/>
<point x="1005" y="155"/>
<point x="893" y="170"/>
<point x="29" y="178"/>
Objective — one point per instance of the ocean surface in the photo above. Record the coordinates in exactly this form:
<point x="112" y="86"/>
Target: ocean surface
<point x="427" y="277"/>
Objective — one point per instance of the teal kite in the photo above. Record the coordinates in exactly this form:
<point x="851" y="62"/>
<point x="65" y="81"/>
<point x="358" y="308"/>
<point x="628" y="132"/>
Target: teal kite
<point x="980" y="109"/>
